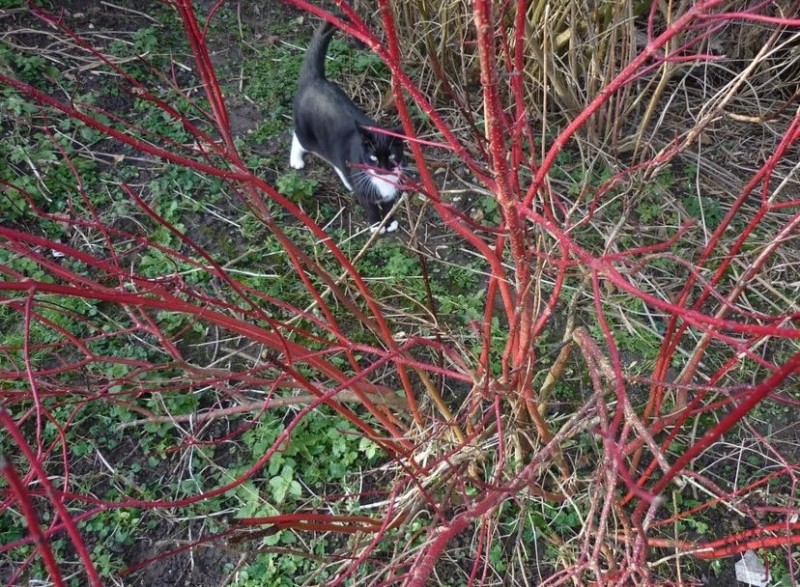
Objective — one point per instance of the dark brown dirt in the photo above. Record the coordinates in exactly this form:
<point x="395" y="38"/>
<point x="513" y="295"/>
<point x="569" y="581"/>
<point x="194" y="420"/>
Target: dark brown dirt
<point x="203" y="566"/>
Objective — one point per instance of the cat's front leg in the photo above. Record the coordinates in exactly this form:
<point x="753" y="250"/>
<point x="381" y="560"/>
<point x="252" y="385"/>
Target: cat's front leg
<point x="296" y="156"/>
<point x="386" y="207"/>
<point x="376" y="212"/>
<point x="390" y="227"/>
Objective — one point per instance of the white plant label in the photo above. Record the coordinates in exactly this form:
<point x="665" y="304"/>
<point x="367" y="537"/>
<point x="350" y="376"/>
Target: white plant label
<point x="751" y="570"/>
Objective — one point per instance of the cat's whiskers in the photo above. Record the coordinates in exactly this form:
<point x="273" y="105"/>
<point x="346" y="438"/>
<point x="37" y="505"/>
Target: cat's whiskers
<point x="384" y="185"/>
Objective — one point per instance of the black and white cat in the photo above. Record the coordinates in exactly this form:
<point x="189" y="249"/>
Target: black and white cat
<point x="329" y="124"/>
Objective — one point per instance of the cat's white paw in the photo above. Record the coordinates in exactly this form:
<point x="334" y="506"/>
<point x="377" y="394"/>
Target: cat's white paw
<point x="391" y="227"/>
<point x="297" y="162"/>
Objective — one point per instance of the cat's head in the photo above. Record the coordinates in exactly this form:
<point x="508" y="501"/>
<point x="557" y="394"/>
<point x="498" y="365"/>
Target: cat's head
<point x="382" y="151"/>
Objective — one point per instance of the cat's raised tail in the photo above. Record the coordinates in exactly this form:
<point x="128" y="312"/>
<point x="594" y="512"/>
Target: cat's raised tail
<point x="314" y="63"/>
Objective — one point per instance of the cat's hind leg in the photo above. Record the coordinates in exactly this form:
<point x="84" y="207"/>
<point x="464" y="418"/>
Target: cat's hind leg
<point x="296" y="156"/>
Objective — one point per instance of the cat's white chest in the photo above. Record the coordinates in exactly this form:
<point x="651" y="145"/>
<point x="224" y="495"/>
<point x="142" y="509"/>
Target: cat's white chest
<point x="385" y="184"/>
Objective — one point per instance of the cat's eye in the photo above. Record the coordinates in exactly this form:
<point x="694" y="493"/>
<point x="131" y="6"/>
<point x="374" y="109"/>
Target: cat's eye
<point x="373" y="158"/>
<point x="391" y="157"/>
